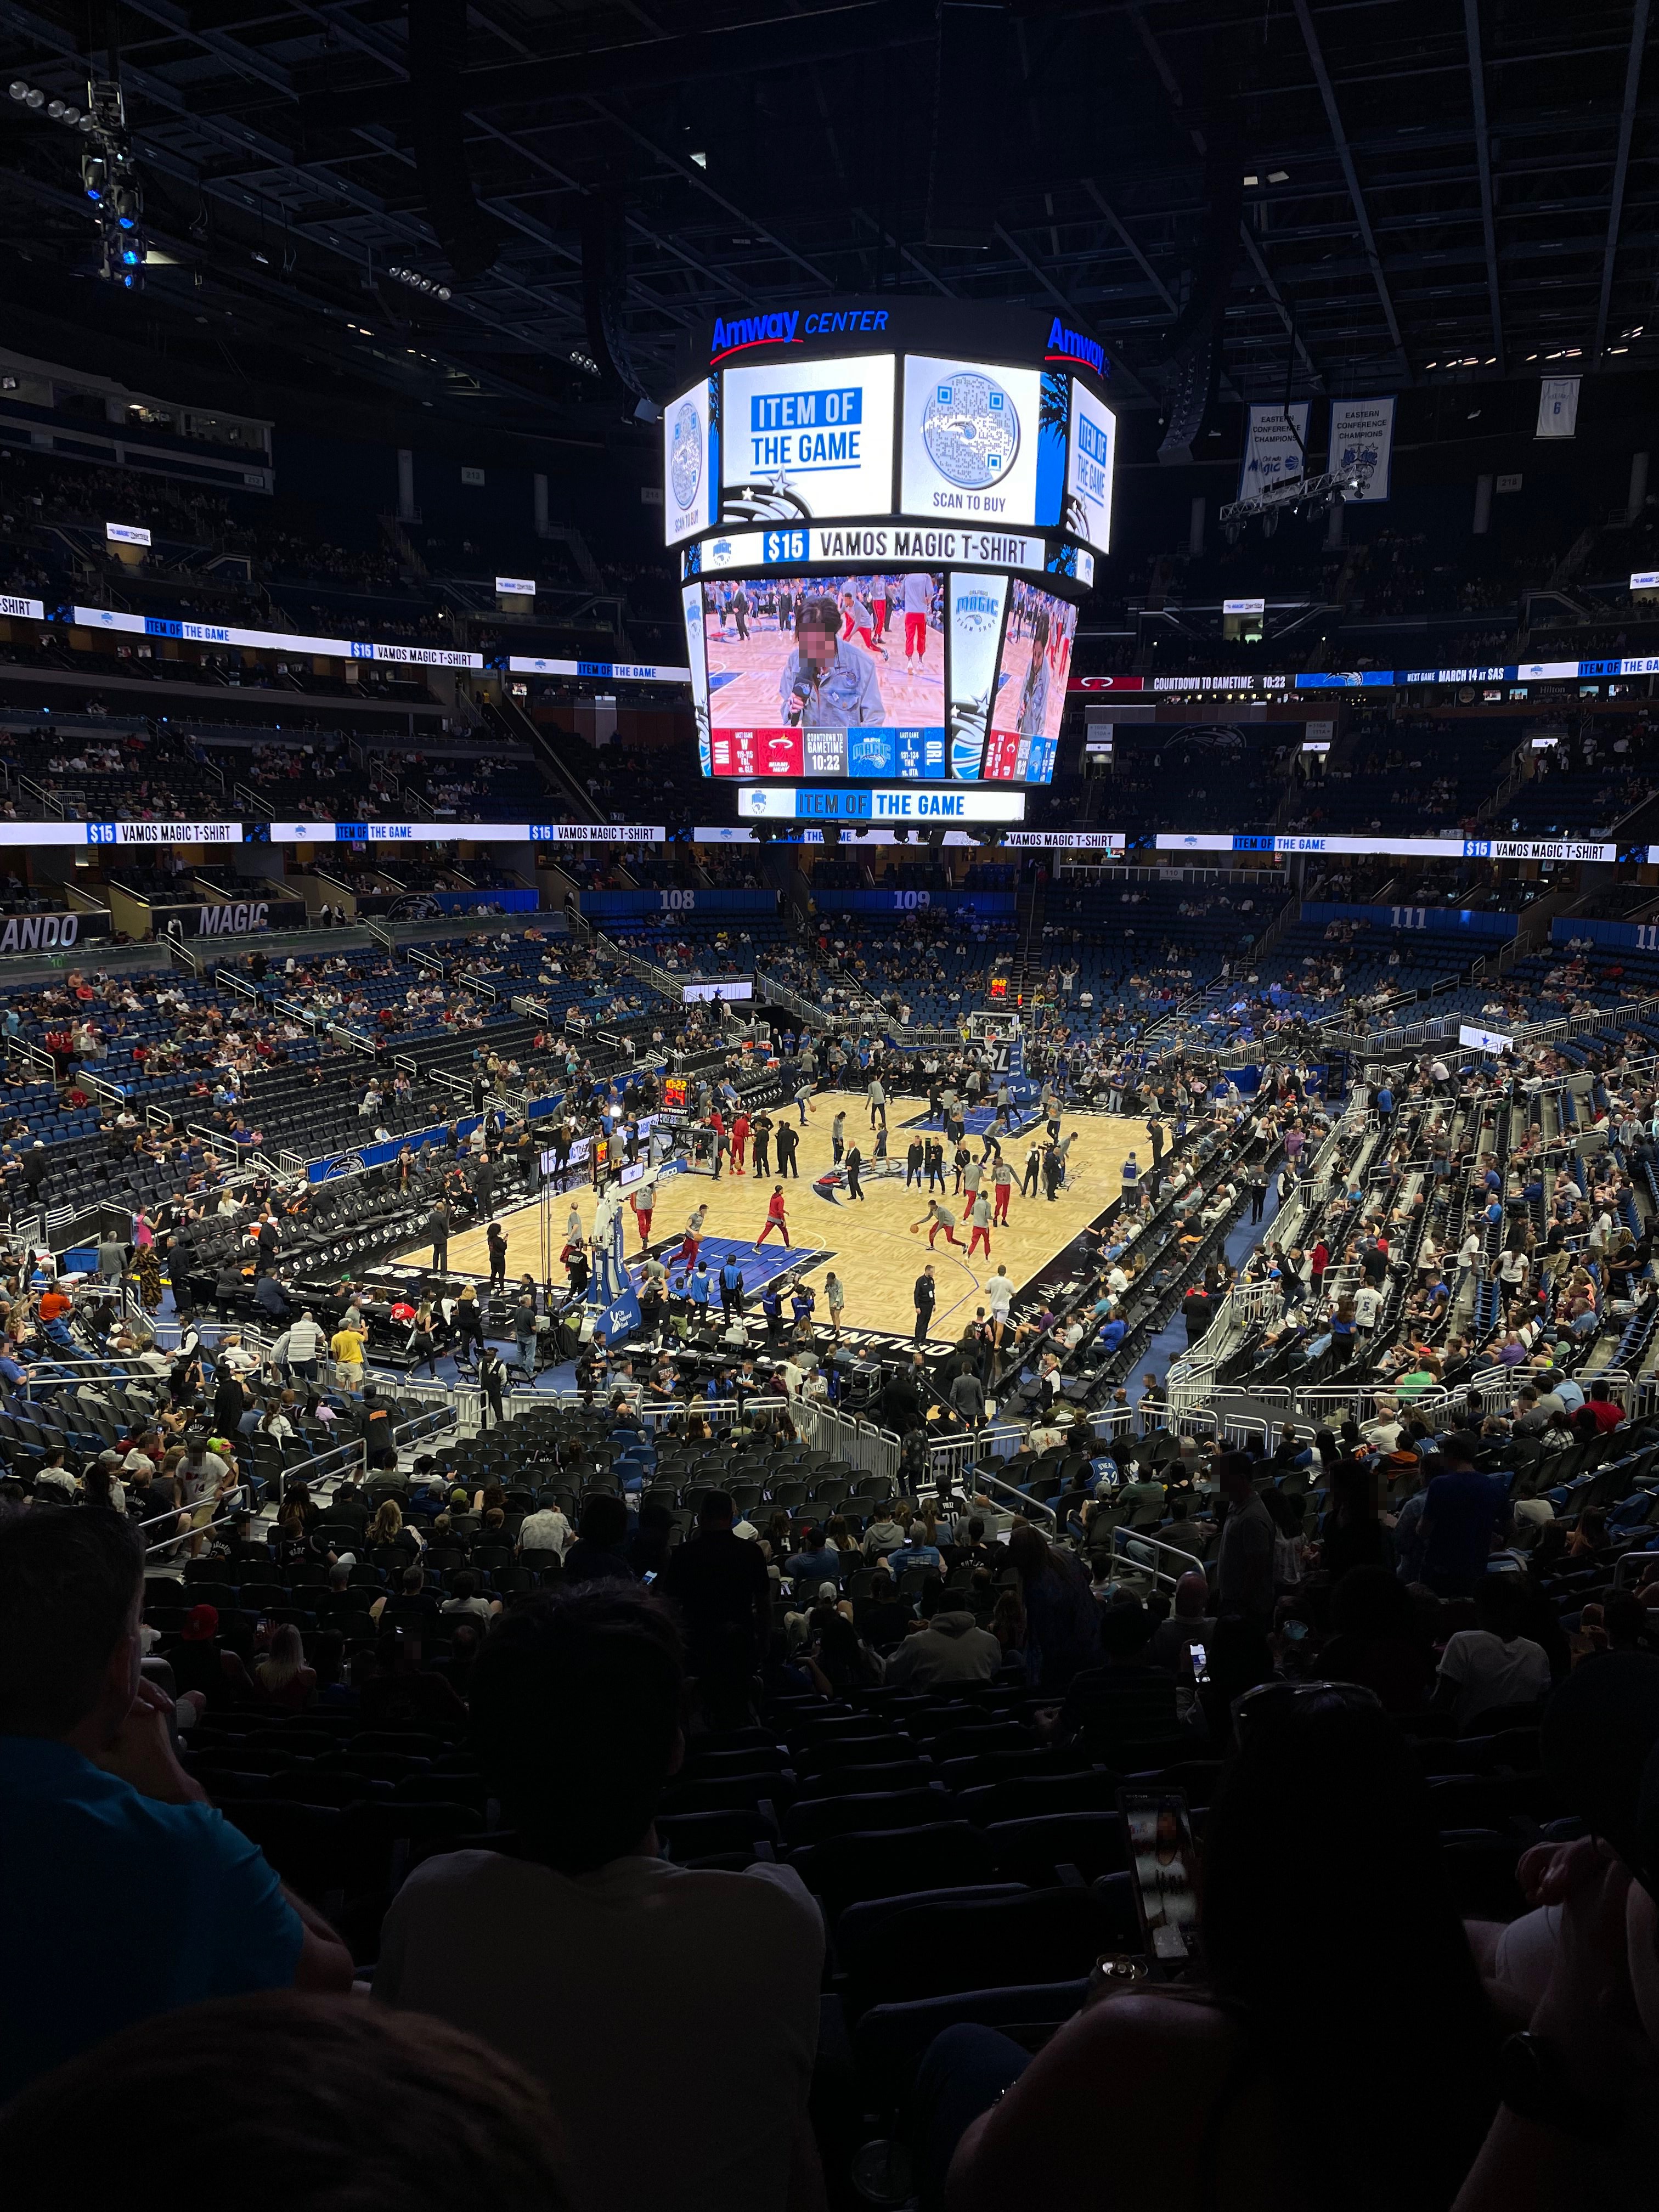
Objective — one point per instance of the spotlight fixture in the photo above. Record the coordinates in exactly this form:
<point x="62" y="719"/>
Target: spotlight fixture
<point x="109" y="178"/>
<point x="417" y="282"/>
<point x="58" y="111"/>
<point x="584" y="362"/>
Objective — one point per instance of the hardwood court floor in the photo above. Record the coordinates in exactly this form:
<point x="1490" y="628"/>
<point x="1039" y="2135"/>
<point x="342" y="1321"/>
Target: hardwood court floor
<point x="868" y="1244"/>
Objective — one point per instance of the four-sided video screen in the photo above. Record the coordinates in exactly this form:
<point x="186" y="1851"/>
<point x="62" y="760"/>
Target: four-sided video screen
<point x="915" y="673"/>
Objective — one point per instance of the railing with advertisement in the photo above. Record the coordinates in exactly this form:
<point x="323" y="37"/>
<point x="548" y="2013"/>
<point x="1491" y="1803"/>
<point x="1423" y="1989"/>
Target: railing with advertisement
<point x="1386" y="1043"/>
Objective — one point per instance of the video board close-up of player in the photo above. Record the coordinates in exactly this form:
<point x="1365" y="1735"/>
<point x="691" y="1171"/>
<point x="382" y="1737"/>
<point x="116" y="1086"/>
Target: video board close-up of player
<point x="826" y="675"/>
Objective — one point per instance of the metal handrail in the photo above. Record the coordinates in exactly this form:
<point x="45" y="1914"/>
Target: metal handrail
<point x="1026" y="1505"/>
<point x="1121" y="1538"/>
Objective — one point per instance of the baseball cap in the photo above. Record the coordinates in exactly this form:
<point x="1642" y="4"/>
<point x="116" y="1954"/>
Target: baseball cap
<point x="201" y="1623"/>
<point x="1599" y="1746"/>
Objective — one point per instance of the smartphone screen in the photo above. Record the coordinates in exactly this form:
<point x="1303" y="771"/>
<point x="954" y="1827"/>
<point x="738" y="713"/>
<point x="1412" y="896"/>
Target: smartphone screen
<point x="1201" y="1659"/>
<point x="1162" y="1867"/>
<point x="648" y="1576"/>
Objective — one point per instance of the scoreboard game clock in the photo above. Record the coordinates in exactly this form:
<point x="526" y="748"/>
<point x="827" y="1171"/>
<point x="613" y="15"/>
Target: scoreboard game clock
<point x="888" y="515"/>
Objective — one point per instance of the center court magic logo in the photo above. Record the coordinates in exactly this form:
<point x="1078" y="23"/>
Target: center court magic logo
<point x="686" y="456"/>
<point x="971" y="430"/>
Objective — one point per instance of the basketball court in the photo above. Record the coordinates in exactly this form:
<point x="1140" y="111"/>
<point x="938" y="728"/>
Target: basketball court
<point x="868" y="1243"/>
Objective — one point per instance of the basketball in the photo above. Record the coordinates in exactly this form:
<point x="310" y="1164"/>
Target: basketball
<point x="915" y="1229"/>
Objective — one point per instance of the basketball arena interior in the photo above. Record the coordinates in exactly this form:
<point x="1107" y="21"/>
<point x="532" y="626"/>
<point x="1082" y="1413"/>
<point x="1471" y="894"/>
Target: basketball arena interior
<point x="829" y="976"/>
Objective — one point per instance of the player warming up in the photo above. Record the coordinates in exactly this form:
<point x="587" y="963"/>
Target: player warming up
<point x="941" y="1217"/>
<point x="642" y="1202"/>
<point x="687" y="1255"/>
<point x="775" y="1219"/>
<point x="979" y="1220"/>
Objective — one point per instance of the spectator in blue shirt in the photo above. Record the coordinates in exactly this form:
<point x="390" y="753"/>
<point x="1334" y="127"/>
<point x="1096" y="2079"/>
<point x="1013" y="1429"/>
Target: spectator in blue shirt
<point x="916" y="1552"/>
<point x="816" y="1561"/>
<point x="1462" y="1510"/>
<point x="1113" y="1332"/>
<point x="142" y="1898"/>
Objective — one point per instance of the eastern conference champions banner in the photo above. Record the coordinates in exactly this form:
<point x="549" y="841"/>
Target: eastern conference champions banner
<point x="1361" y="438"/>
<point x="1275" y="451"/>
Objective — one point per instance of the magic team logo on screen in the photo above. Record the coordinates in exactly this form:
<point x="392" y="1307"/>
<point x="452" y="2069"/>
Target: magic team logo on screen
<point x="871" y="752"/>
<point x="685" y="455"/>
<point x="970" y="427"/>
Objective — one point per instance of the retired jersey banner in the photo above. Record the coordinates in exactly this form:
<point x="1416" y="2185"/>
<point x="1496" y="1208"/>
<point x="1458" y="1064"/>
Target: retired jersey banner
<point x="1276" y="449"/>
<point x="1361" y="438"/>
<point x="1557" y="407"/>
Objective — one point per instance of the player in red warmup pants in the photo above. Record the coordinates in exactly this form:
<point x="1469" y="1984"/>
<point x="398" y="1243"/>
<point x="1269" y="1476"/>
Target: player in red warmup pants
<point x="775" y="1219"/>
<point x="941" y="1217"/>
<point x="979" y="1220"/>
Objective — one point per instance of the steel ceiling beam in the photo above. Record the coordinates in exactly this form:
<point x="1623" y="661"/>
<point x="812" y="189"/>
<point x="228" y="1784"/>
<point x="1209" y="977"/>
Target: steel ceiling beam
<point x="1639" y="39"/>
<point x="1345" y="154"/>
<point x="1259" y="264"/>
<point x="1134" y="251"/>
<point x="242" y="139"/>
<point x="1483" y="159"/>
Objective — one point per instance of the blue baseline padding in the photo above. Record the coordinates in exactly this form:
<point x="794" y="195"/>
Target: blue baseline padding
<point x="759" y="1268"/>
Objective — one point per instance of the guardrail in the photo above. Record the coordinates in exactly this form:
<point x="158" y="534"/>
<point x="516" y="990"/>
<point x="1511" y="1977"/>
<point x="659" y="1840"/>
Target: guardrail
<point x="1127" y="1542"/>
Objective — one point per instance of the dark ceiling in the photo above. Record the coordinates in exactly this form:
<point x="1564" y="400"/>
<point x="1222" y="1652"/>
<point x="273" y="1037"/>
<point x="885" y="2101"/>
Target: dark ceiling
<point x="1368" y="189"/>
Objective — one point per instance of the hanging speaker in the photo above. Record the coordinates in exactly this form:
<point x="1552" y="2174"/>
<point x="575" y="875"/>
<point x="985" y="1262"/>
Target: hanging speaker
<point x="973" y="57"/>
<point x="1194" y="366"/>
<point x="604" y="284"/>
<point x="471" y="237"/>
